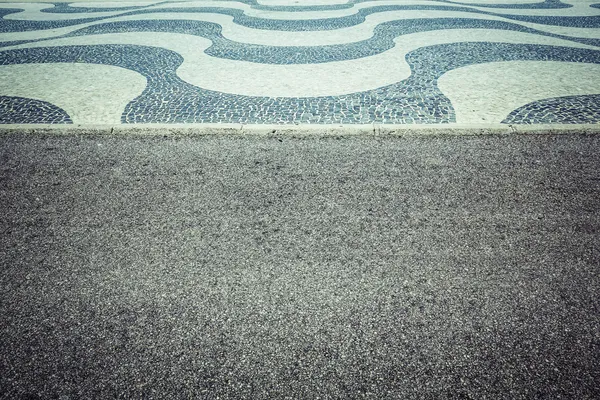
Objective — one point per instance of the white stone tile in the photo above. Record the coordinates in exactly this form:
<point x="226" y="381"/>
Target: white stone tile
<point x="89" y="93"/>
<point x="487" y="93"/>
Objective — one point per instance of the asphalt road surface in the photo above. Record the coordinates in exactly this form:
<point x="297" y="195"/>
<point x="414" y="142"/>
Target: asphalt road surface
<point x="281" y="267"/>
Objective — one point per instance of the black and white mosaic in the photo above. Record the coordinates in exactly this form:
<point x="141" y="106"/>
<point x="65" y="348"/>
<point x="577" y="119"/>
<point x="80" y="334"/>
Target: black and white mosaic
<point x="560" y="110"/>
<point x="321" y="24"/>
<point x="414" y="100"/>
<point x="382" y="39"/>
<point x="19" y="110"/>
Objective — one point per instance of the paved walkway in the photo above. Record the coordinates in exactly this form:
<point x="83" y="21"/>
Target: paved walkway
<point x="300" y="62"/>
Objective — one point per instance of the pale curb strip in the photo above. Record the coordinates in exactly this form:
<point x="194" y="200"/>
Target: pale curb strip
<point x="298" y="130"/>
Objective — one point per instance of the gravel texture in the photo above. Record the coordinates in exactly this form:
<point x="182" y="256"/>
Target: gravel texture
<point x="285" y="267"/>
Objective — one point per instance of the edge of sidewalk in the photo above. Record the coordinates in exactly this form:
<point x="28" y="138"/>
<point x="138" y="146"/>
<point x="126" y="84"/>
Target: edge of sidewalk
<point x="298" y="130"/>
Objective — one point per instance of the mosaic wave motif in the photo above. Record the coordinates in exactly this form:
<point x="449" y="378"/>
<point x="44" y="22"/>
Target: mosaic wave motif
<point x="18" y="110"/>
<point x="575" y="110"/>
<point x="317" y="61"/>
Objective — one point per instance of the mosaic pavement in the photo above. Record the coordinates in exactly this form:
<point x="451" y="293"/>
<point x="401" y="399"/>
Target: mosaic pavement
<point x="301" y="61"/>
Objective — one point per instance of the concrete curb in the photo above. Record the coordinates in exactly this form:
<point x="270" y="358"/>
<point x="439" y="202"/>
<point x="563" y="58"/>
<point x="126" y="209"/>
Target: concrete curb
<point x="297" y="130"/>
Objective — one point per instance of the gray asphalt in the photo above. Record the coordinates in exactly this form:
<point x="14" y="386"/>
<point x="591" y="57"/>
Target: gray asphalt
<point x="281" y="267"/>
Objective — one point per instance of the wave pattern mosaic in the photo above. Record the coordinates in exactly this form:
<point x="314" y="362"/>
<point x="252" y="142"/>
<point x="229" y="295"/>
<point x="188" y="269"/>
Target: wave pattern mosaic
<point x="301" y="62"/>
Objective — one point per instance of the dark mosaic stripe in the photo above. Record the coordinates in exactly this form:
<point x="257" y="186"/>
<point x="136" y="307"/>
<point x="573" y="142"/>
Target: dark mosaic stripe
<point x="20" y="110"/>
<point x="546" y="5"/>
<point x="24" y="26"/>
<point x="572" y="22"/>
<point x="558" y="110"/>
<point x="416" y="100"/>
<point x="7" y="11"/>
<point x="355" y="19"/>
<point x="65" y="8"/>
<point x="330" y="7"/>
<point x="307" y="25"/>
<point x="382" y="40"/>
